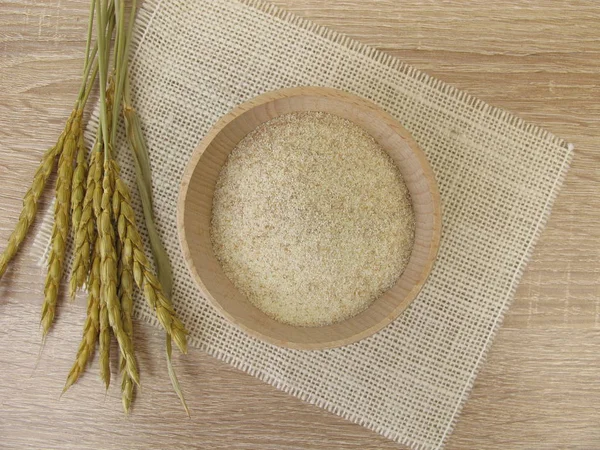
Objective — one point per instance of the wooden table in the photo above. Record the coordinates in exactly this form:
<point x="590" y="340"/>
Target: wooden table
<point x="540" y="387"/>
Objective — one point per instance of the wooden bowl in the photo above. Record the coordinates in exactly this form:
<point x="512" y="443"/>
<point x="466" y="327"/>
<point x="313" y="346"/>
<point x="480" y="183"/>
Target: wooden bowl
<point x="195" y="209"/>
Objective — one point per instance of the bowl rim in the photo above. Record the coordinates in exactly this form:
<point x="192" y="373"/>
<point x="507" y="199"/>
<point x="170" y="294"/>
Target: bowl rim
<point x="271" y="96"/>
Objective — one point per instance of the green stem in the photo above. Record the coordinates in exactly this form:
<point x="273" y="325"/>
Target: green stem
<point x="89" y="82"/>
<point x="89" y="35"/>
<point x="132" y="15"/>
<point x="120" y="64"/>
<point x="173" y="376"/>
<point x="84" y="98"/>
<point x="103" y="71"/>
<point x="140" y="152"/>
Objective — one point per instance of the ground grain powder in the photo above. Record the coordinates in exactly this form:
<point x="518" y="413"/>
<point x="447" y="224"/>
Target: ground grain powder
<point x="311" y="219"/>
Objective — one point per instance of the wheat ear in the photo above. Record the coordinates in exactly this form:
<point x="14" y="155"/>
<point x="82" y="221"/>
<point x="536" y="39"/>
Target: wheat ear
<point x="104" y="344"/>
<point x="127" y="387"/>
<point x="31" y="199"/>
<point x="94" y="183"/>
<point x="148" y="283"/>
<point x="108" y="279"/>
<point x="60" y="230"/>
<point x="143" y="175"/>
<point x="126" y="287"/>
<point x="91" y="327"/>
<point x="85" y="232"/>
<point x="126" y="297"/>
<point x="79" y="180"/>
<point x="142" y="274"/>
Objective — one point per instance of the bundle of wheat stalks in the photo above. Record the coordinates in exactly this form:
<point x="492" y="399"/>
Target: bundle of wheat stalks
<point x="93" y="206"/>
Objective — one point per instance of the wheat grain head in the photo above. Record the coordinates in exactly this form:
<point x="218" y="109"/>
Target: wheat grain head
<point x="108" y="279"/>
<point x="60" y="230"/>
<point x="126" y="288"/>
<point x="31" y="198"/>
<point x="79" y="180"/>
<point x="104" y="344"/>
<point x="142" y="273"/>
<point x="85" y="233"/>
<point x="91" y="328"/>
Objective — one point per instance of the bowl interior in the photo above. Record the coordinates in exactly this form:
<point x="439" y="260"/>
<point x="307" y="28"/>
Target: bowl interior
<point x="195" y="209"/>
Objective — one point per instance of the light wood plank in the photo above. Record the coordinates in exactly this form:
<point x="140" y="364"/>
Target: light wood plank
<point x="539" y="387"/>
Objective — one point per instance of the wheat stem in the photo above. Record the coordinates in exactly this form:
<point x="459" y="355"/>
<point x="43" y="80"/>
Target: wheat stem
<point x="94" y="67"/>
<point x="103" y="54"/>
<point x="173" y="375"/>
<point x="88" y="39"/>
<point x="120" y="63"/>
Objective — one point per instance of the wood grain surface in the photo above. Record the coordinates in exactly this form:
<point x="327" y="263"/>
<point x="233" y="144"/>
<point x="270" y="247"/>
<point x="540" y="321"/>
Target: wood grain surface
<point x="540" y="387"/>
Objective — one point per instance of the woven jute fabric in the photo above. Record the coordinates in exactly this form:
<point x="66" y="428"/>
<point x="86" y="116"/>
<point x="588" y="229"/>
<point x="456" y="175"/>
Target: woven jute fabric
<point x="193" y="61"/>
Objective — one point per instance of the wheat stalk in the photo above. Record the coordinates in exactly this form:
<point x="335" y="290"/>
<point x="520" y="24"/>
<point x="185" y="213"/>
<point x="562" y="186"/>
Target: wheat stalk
<point x="85" y="232"/>
<point x="96" y="203"/>
<point x="32" y="197"/>
<point x="60" y="230"/>
<point x="91" y="327"/>
<point x="108" y="279"/>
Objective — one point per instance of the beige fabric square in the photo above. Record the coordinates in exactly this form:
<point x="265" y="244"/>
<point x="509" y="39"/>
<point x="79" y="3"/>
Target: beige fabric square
<point x="194" y="61"/>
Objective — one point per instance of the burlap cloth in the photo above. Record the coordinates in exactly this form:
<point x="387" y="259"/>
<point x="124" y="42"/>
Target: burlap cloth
<point x="193" y="61"/>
